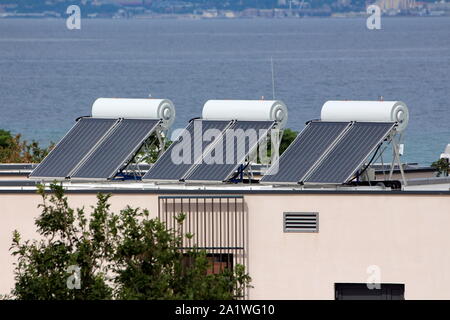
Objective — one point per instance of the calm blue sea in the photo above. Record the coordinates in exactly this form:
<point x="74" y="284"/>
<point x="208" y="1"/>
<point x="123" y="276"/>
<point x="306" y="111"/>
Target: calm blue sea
<point x="50" y="75"/>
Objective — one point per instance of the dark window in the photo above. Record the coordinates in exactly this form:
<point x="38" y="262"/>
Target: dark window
<point x="360" y="291"/>
<point x="217" y="262"/>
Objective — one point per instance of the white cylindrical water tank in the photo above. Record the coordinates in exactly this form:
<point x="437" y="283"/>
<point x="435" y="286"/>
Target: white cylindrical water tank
<point x="371" y="111"/>
<point x="265" y="110"/>
<point x="135" y="109"/>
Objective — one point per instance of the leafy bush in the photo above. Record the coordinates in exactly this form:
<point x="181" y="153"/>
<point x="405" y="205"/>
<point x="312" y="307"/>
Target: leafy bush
<point x="442" y="166"/>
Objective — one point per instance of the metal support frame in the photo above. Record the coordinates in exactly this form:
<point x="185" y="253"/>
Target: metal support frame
<point x="275" y="137"/>
<point x="161" y="136"/>
<point x="393" y="140"/>
<point x="246" y="168"/>
<point x="396" y="158"/>
<point x="136" y="172"/>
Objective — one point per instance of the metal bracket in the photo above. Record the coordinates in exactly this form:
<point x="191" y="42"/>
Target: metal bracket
<point x="396" y="158"/>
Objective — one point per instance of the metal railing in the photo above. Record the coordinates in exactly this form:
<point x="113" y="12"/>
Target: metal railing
<point x="217" y="225"/>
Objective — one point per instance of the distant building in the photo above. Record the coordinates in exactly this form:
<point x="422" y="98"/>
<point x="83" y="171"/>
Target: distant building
<point x="228" y="14"/>
<point x="387" y="5"/>
<point x="210" y="14"/>
<point x="131" y="2"/>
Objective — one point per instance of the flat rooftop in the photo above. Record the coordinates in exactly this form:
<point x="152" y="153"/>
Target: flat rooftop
<point x="14" y="178"/>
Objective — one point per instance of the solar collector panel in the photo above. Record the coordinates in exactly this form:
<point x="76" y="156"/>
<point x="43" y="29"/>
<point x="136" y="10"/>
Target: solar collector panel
<point x="304" y="152"/>
<point x="217" y="164"/>
<point x="166" y="168"/>
<point x="348" y="155"/>
<point x="73" y="147"/>
<point x="116" y="149"/>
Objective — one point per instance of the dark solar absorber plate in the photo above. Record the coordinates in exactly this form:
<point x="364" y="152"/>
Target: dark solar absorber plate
<point x="304" y="151"/>
<point x="73" y="147"/>
<point x="116" y="149"/>
<point x="350" y="152"/>
<point x="220" y="162"/>
<point x="182" y="154"/>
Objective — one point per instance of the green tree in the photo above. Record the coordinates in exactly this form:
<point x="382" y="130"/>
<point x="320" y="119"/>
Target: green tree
<point x="150" y="264"/>
<point x="5" y="138"/>
<point x="15" y="150"/>
<point x="151" y="154"/>
<point x="68" y="238"/>
<point x="123" y="256"/>
<point x="289" y="135"/>
<point x="442" y="166"/>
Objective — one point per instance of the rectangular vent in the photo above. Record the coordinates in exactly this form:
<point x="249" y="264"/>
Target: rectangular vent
<point x="301" y="222"/>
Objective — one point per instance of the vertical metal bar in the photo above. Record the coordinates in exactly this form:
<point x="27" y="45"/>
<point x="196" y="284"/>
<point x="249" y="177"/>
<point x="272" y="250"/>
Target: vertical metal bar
<point x="190" y="222"/>
<point x="182" y="225"/>
<point x="235" y="250"/>
<point x="397" y="157"/>
<point x="196" y="220"/>
<point x="244" y="228"/>
<point x="242" y="232"/>
<point x="220" y="230"/>
<point x="244" y="244"/>
<point x="228" y="233"/>
<point x="212" y="223"/>
<point x="174" y="213"/>
<point x="208" y="228"/>
<point x="159" y="208"/>
<point x="204" y="221"/>
<point x="391" y="172"/>
<point x="165" y="206"/>
<point x="235" y="228"/>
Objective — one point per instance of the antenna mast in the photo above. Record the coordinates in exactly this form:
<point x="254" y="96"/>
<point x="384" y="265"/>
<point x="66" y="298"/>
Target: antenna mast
<point x="273" y="79"/>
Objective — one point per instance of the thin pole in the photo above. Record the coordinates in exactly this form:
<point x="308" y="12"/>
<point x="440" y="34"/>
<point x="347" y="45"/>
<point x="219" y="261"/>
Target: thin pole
<point x="273" y="79"/>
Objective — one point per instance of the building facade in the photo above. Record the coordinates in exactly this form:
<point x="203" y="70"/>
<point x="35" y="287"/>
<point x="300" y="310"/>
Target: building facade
<point x="395" y="238"/>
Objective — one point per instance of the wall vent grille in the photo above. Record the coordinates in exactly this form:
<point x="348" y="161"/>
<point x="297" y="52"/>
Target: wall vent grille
<point x="301" y="222"/>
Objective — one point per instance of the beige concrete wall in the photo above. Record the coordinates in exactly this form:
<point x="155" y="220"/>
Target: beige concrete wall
<point x="406" y="235"/>
<point x="18" y="211"/>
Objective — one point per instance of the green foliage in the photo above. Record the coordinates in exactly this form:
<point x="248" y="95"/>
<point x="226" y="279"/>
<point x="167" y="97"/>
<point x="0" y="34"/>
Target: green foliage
<point x="150" y="265"/>
<point x="124" y="256"/>
<point x="5" y="138"/>
<point x="442" y="166"/>
<point x="150" y="154"/>
<point x="68" y="239"/>
<point x="15" y="150"/>
<point x="288" y="137"/>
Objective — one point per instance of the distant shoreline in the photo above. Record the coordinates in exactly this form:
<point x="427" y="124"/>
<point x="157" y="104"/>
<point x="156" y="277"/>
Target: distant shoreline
<point x="184" y="17"/>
